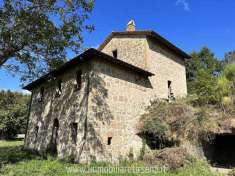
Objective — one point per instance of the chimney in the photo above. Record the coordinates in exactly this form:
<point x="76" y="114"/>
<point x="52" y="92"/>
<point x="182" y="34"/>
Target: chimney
<point x="131" y="26"/>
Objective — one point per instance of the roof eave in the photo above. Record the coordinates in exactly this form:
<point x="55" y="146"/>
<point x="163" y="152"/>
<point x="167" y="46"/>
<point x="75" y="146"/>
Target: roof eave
<point x="88" y="55"/>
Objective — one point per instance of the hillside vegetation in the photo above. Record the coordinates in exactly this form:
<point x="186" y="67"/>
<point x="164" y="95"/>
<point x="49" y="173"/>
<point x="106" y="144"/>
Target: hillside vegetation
<point x="13" y="113"/>
<point x="179" y="128"/>
<point x="17" y="162"/>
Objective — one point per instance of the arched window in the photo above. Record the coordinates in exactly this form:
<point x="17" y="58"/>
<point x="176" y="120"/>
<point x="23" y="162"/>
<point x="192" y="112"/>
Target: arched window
<point x="109" y="141"/>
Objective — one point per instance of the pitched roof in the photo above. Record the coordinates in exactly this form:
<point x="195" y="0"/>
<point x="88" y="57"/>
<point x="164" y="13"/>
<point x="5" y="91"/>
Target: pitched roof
<point x="87" y="55"/>
<point x="150" y="34"/>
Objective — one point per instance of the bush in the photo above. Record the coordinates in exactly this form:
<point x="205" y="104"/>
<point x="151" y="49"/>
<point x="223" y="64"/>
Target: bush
<point x="171" y="158"/>
<point x="170" y="123"/>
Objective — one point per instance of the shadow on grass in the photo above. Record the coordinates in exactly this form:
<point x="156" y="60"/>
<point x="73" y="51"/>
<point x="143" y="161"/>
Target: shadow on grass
<point x="12" y="152"/>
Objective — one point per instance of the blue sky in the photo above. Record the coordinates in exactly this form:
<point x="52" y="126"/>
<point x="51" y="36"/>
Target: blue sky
<point x="189" y="24"/>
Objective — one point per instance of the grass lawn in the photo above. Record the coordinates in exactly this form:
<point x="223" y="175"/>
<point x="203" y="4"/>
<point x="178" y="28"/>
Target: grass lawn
<point x="15" y="162"/>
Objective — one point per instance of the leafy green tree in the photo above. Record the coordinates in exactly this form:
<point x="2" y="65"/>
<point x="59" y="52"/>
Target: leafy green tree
<point x="205" y="88"/>
<point x="226" y="88"/>
<point x="13" y="113"/>
<point x="202" y="71"/>
<point x="36" y="34"/>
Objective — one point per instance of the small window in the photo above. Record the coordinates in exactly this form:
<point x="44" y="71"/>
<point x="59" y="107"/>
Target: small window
<point x="41" y="94"/>
<point x="114" y="53"/>
<point x="109" y="140"/>
<point x="79" y="80"/>
<point x="36" y="132"/>
<point x="74" y="131"/>
<point x="170" y="91"/>
<point x="60" y="85"/>
<point x="59" y="88"/>
<point x="169" y="84"/>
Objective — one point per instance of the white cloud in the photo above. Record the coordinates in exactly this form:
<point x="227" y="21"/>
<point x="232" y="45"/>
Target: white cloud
<point x="95" y="46"/>
<point x="183" y="3"/>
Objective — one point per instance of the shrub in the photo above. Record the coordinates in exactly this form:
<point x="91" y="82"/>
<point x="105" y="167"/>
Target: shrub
<point x="170" y="123"/>
<point x="172" y="158"/>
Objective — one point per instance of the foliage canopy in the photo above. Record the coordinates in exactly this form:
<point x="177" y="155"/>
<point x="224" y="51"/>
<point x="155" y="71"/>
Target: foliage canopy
<point x="36" y="34"/>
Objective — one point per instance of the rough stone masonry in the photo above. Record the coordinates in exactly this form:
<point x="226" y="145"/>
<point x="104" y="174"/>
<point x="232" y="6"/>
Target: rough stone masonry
<point x="89" y="108"/>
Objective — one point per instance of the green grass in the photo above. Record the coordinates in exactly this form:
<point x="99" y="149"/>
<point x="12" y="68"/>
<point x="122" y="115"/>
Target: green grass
<point x="15" y="162"/>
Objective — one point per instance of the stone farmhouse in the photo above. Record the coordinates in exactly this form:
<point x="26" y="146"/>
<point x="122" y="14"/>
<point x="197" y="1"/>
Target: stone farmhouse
<point x="89" y="108"/>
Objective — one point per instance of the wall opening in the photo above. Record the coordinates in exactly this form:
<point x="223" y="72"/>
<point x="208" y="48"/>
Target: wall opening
<point x="220" y="151"/>
<point x="41" y="94"/>
<point x="170" y="90"/>
<point x="114" y="52"/>
<point x="36" y="133"/>
<point x="109" y="141"/>
<point x="79" y="80"/>
<point x="59" y="88"/>
<point x="74" y="132"/>
<point x="54" y="137"/>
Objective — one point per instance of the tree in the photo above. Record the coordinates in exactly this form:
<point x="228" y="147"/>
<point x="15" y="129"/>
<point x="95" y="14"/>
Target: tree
<point x="226" y="87"/>
<point x="229" y="58"/>
<point x="202" y="71"/>
<point x="36" y="34"/>
<point x="13" y="113"/>
<point x="205" y="88"/>
<point x="202" y="60"/>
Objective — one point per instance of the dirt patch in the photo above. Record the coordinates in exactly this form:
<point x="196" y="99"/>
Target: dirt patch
<point x="172" y="158"/>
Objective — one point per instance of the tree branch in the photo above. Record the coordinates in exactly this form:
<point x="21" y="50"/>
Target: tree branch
<point x="8" y="53"/>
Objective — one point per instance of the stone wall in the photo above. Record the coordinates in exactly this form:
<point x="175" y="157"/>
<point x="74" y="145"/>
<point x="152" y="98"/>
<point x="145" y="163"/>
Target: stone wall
<point x="117" y="97"/>
<point x="150" y="55"/>
<point x="166" y="66"/>
<point x="117" y="100"/>
<point x="69" y="107"/>
<point x="131" y="49"/>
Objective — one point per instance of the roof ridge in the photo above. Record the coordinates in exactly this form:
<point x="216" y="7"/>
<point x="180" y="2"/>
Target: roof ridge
<point x="149" y="33"/>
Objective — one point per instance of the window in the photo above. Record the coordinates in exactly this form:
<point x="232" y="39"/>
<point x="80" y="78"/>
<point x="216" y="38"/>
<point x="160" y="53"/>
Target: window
<point x="109" y="140"/>
<point x="114" y="53"/>
<point x="41" y="94"/>
<point x="170" y="92"/>
<point x="169" y="84"/>
<point x="60" y="85"/>
<point x="59" y="88"/>
<point x="36" y="133"/>
<point x="74" y="131"/>
<point x="79" y="80"/>
<point x="54" y="137"/>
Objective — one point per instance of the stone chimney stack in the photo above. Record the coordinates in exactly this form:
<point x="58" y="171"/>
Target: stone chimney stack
<point x="131" y="26"/>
